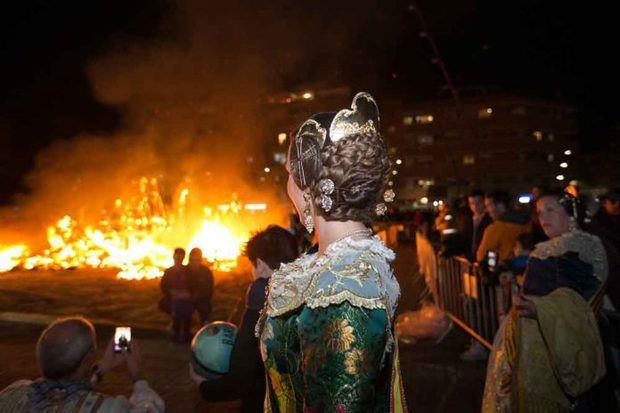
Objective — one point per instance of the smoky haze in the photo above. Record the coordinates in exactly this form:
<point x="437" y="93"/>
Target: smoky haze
<point x="193" y="105"/>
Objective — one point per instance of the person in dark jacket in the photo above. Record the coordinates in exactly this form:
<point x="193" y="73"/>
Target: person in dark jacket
<point x="200" y="279"/>
<point x="245" y="380"/>
<point x="480" y="220"/>
<point x="177" y="300"/>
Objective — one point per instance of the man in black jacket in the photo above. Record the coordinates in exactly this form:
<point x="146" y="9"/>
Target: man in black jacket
<point x="245" y="380"/>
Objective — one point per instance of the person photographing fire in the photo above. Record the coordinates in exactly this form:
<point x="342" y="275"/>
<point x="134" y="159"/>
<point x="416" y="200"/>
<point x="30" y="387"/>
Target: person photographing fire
<point x="66" y="357"/>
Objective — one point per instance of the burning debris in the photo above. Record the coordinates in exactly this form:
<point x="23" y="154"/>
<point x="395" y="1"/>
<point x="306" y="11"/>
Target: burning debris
<point x="138" y="235"/>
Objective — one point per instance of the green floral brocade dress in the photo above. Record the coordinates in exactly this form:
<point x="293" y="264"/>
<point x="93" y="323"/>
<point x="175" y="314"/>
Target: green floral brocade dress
<point x="326" y="332"/>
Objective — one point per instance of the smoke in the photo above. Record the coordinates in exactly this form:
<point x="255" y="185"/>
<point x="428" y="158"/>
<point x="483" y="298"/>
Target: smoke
<point x="193" y="103"/>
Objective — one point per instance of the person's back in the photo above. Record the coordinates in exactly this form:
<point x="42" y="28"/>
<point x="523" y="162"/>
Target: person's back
<point x="200" y="282"/>
<point x="246" y="378"/>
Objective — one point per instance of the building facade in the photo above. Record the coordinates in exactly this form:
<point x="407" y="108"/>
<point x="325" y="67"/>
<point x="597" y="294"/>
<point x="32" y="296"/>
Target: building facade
<point x="485" y="142"/>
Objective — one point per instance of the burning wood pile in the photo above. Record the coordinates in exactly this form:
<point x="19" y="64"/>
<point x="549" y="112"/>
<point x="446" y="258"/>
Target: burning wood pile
<point x="137" y="235"/>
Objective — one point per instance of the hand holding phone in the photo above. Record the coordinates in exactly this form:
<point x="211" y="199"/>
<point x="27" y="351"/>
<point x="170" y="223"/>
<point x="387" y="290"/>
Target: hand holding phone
<point x="122" y="339"/>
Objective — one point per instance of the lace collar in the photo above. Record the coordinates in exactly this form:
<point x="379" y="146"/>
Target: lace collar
<point x="351" y="270"/>
<point x="587" y="246"/>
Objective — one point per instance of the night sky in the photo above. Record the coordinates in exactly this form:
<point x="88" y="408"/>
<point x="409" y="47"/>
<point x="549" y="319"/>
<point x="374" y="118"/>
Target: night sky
<point x="542" y="48"/>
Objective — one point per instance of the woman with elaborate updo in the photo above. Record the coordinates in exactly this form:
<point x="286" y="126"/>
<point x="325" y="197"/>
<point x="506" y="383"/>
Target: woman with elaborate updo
<point x="548" y="354"/>
<point x="326" y="331"/>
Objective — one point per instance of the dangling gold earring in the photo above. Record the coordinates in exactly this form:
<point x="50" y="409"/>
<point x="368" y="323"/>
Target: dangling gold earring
<point x="572" y="224"/>
<point x="308" y="219"/>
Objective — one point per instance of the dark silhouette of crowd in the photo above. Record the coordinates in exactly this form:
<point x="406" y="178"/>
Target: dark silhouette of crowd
<point x="186" y="289"/>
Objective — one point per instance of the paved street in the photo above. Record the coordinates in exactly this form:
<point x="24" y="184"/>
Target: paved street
<point x="436" y="381"/>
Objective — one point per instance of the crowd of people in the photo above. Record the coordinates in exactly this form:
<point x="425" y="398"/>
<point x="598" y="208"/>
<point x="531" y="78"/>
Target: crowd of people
<point x="557" y="347"/>
<point x="316" y="338"/>
<point x="317" y="331"/>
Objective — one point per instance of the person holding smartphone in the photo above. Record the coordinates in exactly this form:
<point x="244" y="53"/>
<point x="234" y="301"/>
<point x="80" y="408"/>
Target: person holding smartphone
<point x="66" y="355"/>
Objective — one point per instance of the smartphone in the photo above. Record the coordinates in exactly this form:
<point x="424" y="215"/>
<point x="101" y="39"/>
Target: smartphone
<point x="491" y="260"/>
<point x="122" y="338"/>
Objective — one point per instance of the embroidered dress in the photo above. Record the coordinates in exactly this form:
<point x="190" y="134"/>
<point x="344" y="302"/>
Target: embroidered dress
<point x="326" y="332"/>
<point x="548" y="364"/>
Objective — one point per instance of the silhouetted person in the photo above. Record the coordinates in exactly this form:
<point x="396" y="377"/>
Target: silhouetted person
<point x="200" y="279"/>
<point x="177" y="300"/>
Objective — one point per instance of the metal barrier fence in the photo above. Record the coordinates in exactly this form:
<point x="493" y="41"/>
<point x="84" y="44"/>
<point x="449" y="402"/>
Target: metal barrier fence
<point x="463" y="291"/>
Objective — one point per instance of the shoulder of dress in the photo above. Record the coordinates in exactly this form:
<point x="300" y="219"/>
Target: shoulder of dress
<point x="361" y="276"/>
<point x="588" y="247"/>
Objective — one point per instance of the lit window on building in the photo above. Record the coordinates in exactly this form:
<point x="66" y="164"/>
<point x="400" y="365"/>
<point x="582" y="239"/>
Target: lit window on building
<point x="392" y="129"/>
<point x="519" y="110"/>
<point x="485" y="113"/>
<point x="424" y="119"/>
<point x="425" y="139"/>
<point x="281" y="138"/>
<point x="538" y="135"/>
<point x="469" y="159"/>
<point x="550" y="157"/>
<point x="408" y="120"/>
<point x="551" y="137"/>
<point x="426" y="182"/>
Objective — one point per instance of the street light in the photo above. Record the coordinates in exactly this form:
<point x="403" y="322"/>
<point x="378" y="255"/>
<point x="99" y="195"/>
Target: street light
<point x="267" y="169"/>
<point x="564" y="165"/>
<point x="560" y="177"/>
<point x="568" y="152"/>
<point x="399" y="161"/>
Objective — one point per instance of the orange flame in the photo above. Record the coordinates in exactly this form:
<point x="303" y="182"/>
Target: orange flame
<point x="138" y="237"/>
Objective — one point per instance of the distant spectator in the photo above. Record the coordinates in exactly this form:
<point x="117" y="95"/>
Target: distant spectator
<point x="524" y="245"/>
<point x="606" y="222"/>
<point x="66" y="358"/>
<point x="177" y="300"/>
<point x="512" y="270"/>
<point x="507" y="224"/>
<point x="606" y="225"/>
<point x="200" y="279"/>
<point x="480" y="220"/>
<point x="266" y="250"/>
<point x="537" y="231"/>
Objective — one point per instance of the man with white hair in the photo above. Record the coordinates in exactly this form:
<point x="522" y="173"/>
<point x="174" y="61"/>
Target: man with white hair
<point x="66" y="358"/>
